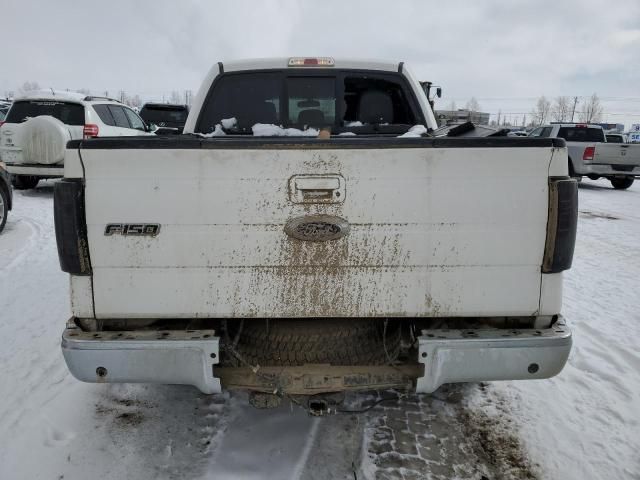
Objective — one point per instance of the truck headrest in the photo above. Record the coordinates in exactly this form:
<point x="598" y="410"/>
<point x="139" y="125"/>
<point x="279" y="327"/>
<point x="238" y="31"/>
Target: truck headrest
<point x="375" y="107"/>
<point x="311" y="118"/>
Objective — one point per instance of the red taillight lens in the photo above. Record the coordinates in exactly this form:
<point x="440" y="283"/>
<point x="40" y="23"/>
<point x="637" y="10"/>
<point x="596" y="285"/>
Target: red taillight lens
<point x="1" y="123"/>
<point x="90" y="130"/>
<point x="588" y="153"/>
<point x="561" y="225"/>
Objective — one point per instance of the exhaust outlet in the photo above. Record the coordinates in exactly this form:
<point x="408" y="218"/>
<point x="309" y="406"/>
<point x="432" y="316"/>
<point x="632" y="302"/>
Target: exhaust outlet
<point x="318" y="407"/>
<point x="325" y="404"/>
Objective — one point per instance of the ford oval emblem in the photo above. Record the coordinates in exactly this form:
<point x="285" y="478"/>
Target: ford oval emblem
<point x="317" y="228"/>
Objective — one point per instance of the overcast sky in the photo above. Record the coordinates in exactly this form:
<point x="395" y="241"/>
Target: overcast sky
<point x="505" y="53"/>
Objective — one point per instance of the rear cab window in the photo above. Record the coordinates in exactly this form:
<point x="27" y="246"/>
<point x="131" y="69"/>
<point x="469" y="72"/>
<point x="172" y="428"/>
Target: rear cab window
<point x="615" y="139"/>
<point x="67" y="112"/>
<point x="365" y="102"/>
<point x="161" y="114"/>
<point x="376" y="101"/>
<point x="250" y="98"/>
<point x="311" y="102"/>
<point x="581" y="134"/>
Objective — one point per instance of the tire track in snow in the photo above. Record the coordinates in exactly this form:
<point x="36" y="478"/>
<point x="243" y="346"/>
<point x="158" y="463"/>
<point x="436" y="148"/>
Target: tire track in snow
<point x="302" y="462"/>
<point x="34" y="309"/>
<point x="461" y="431"/>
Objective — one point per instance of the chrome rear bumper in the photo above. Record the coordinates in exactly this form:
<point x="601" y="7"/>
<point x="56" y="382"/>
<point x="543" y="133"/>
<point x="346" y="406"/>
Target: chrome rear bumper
<point x="605" y="169"/>
<point x="451" y="356"/>
<point x="36" y="170"/>
<point x="169" y="357"/>
<point x="188" y="357"/>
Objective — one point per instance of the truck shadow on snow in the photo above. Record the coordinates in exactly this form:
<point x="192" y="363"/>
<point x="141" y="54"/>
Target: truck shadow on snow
<point x="603" y="184"/>
<point x="593" y="186"/>
<point x="588" y="214"/>
<point x="161" y="431"/>
<point x="45" y="190"/>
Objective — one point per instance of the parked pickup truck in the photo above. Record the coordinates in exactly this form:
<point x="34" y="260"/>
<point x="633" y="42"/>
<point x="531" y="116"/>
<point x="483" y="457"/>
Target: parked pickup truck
<point x="592" y="156"/>
<point x="308" y="234"/>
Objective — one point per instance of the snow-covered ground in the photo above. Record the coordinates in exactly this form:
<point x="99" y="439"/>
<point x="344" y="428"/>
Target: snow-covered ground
<point x="583" y="424"/>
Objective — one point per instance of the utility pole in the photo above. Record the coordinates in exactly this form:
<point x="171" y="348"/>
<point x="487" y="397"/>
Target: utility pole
<point x="573" y="112"/>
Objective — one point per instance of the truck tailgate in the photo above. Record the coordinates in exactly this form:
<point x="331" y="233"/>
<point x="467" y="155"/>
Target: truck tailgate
<point x="623" y="154"/>
<point x="434" y="229"/>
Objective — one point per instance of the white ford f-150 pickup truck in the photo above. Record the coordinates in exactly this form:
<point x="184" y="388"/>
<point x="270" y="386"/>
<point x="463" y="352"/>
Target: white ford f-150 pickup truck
<point x="304" y="237"/>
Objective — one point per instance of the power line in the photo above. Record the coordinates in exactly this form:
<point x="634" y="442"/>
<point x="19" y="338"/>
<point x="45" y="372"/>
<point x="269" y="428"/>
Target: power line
<point x="607" y="99"/>
<point x="494" y="112"/>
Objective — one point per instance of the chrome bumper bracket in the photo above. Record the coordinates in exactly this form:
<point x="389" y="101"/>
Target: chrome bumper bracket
<point x="168" y="356"/>
<point x="451" y="356"/>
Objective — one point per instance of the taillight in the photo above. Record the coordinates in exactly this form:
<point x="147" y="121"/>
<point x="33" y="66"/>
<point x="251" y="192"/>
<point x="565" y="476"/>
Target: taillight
<point x="71" y="227"/>
<point x="561" y="225"/>
<point x="588" y="153"/>
<point x="90" y="130"/>
<point x="1" y="123"/>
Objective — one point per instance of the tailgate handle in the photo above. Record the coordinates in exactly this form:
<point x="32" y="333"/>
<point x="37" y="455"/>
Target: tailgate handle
<point x="317" y="183"/>
<point x="316" y="188"/>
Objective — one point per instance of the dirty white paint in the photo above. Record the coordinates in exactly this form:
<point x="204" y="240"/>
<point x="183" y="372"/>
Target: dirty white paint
<point x="433" y="232"/>
<point x="81" y="296"/>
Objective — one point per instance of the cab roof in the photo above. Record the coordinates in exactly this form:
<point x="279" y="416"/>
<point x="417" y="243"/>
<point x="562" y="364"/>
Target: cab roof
<point x="283" y="62"/>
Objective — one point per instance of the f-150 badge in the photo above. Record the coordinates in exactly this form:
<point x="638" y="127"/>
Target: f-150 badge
<point x="317" y="228"/>
<point x="134" y="229"/>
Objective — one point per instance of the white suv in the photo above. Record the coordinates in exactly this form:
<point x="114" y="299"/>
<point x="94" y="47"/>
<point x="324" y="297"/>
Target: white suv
<point x="34" y="134"/>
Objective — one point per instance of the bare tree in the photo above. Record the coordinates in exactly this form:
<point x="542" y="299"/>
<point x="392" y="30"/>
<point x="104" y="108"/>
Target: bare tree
<point x="473" y="105"/>
<point x="188" y="97"/>
<point x="135" y="101"/>
<point x="176" y="98"/>
<point x="541" y="112"/>
<point x="29" y="86"/>
<point x="573" y="109"/>
<point x="591" y="110"/>
<point x="452" y="106"/>
<point x="561" y="110"/>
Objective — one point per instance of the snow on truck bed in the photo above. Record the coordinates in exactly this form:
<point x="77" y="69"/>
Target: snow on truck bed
<point x="582" y="424"/>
